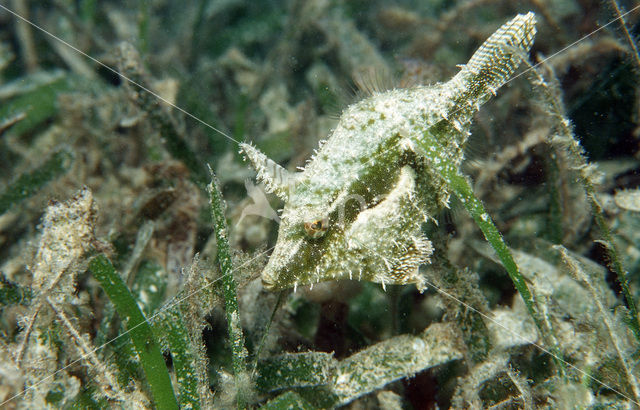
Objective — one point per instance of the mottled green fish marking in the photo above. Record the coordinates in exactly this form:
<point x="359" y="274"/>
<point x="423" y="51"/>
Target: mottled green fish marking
<point x="357" y="209"/>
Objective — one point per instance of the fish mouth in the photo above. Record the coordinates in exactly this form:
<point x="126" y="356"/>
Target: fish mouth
<point x="269" y="275"/>
<point x="268" y="283"/>
<point x="272" y="279"/>
<point x="278" y="273"/>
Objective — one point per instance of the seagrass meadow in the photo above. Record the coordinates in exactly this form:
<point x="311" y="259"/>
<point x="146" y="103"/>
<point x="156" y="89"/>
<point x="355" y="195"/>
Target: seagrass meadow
<point x="491" y="258"/>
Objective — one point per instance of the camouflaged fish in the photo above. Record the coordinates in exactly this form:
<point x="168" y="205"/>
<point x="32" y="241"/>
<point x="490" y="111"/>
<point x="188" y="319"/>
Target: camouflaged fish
<point x="356" y="210"/>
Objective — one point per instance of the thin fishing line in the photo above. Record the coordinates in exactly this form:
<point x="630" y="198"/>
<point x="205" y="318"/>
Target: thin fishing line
<point x="511" y="331"/>
<point x="95" y="60"/>
<point x="530" y="342"/>
<point x="171" y="304"/>
<point x="148" y="320"/>
<point x="534" y="66"/>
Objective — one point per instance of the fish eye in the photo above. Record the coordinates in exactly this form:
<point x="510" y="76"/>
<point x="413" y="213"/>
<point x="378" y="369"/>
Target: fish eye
<point x="316" y="228"/>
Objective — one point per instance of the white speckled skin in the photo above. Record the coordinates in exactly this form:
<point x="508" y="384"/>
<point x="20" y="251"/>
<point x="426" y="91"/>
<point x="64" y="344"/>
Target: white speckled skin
<point x="372" y="184"/>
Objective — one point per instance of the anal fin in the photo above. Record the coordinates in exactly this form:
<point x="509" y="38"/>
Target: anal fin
<point x="405" y="268"/>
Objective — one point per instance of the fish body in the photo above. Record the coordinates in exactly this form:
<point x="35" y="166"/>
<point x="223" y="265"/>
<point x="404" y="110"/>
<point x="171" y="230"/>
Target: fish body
<point x="356" y="210"/>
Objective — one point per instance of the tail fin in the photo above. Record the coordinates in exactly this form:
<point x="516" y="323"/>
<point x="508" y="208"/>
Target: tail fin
<point x="491" y="65"/>
<point x="498" y="57"/>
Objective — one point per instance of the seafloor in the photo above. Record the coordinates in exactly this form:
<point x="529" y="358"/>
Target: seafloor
<point x="128" y="279"/>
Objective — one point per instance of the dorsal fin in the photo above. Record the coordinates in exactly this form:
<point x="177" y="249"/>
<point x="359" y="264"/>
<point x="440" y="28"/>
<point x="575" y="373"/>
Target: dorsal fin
<point x="372" y="80"/>
<point x="277" y="179"/>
